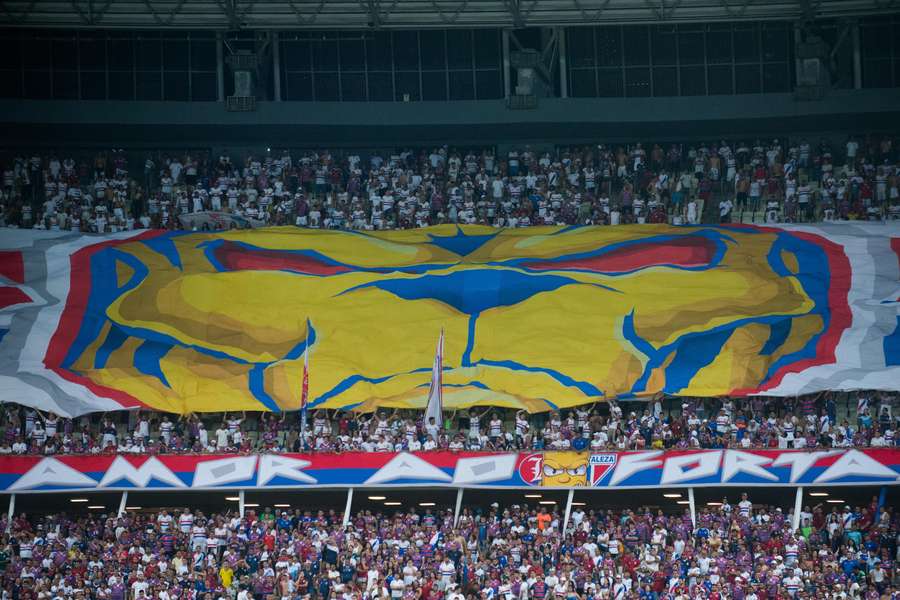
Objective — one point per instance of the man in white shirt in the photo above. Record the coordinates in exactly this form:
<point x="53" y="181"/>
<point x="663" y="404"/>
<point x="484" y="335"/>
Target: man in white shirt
<point x="221" y="438"/>
<point x="577" y="516"/>
<point x="19" y="446"/>
<point x="455" y="594"/>
<point x="725" y="207"/>
<point x="244" y="594"/>
<point x="447" y="571"/>
<point x="852" y="148"/>
<point x="397" y="588"/>
<point x="432" y="428"/>
<point x="186" y="521"/>
<point x="164" y="520"/>
<point x="202" y="435"/>
<point x="878" y="576"/>
<point x="792" y="582"/>
<point x="140" y="586"/>
<point x="552" y="579"/>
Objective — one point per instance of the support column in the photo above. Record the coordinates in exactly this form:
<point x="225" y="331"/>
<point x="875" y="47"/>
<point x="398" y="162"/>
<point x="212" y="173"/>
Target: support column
<point x="693" y="506"/>
<point x="241" y="503"/>
<point x="459" y="497"/>
<point x="506" y="77"/>
<point x="347" y="506"/>
<point x="276" y="66"/>
<point x="798" y="38"/>
<point x="798" y="506"/>
<point x="220" y="68"/>
<point x="568" y="512"/>
<point x="10" y="512"/>
<point x="122" y="504"/>
<point x="857" y="58"/>
<point x="563" y="70"/>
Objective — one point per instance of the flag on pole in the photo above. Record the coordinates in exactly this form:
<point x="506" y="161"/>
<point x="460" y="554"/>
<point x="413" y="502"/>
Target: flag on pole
<point x="304" y="390"/>
<point x="435" y="405"/>
<point x="436" y="539"/>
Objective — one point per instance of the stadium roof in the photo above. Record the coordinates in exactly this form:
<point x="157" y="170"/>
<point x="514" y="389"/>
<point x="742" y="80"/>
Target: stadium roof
<point x="353" y="14"/>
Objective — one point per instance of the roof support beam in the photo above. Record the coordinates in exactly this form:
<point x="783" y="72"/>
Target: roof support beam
<point x="374" y="15"/>
<point x="17" y="17"/>
<point x="513" y="7"/>
<point x="810" y="9"/>
<point x="233" y="12"/>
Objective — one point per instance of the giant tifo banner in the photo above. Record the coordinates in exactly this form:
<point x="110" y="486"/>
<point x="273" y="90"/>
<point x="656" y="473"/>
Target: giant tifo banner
<point x="646" y="469"/>
<point x="534" y="318"/>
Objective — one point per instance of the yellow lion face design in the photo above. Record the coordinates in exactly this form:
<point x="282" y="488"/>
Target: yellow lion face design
<point x="564" y="469"/>
<point x="535" y="318"/>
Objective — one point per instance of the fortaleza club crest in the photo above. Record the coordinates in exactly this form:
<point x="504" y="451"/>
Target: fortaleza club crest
<point x="601" y="465"/>
<point x="530" y="468"/>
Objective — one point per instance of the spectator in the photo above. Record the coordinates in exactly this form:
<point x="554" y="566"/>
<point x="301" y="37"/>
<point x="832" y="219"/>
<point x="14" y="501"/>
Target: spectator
<point x="666" y="423"/>
<point x="590" y="185"/>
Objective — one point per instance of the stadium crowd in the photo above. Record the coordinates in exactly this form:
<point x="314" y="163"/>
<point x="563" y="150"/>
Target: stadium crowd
<point x="741" y="551"/>
<point x="774" y="180"/>
<point x="757" y="422"/>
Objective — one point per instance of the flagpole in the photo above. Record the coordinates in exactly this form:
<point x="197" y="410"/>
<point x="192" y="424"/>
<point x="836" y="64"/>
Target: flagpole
<point x="434" y="408"/>
<point x="441" y="379"/>
<point x="304" y="391"/>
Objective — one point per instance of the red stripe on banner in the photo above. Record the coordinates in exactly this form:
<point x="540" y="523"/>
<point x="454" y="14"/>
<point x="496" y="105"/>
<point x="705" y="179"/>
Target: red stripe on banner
<point x="12" y="265"/>
<point x="187" y="463"/>
<point x="838" y="306"/>
<point x="18" y="465"/>
<point x="96" y="464"/>
<point x="177" y="463"/>
<point x="10" y="296"/>
<point x="376" y="460"/>
<point x="841" y="317"/>
<point x="886" y="456"/>
<point x="687" y="252"/>
<point x="237" y="258"/>
<point x="828" y="460"/>
<point x="70" y="321"/>
<point x="662" y="457"/>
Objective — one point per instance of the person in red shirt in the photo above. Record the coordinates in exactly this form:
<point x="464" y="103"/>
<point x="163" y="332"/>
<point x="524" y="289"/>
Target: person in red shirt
<point x="865" y="519"/>
<point x="659" y="582"/>
<point x="630" y="563"/>
<point x="759" y="173"/>
<point x="426" y="588"/>
<point x="580" y="536"/>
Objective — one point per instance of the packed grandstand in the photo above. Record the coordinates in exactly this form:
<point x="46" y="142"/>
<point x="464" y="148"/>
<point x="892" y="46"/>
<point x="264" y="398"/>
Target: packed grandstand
<point x="744" y="551"/>
<point x="759" y="181"/>
<point x="810" y="422"/>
